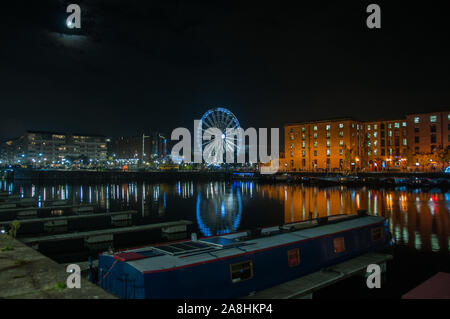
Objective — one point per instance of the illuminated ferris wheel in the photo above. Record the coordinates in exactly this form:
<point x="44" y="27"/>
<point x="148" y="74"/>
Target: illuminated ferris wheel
<point x="218" y="119"/>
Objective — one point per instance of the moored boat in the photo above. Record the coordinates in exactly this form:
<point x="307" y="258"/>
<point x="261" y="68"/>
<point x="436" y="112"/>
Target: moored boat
<point x="238" y="264"/>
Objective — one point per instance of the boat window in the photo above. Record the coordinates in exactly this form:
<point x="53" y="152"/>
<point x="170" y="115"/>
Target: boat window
<point x="339" y="244"/>
<point x="293" y="257"/>
<point x="241" y="271"/>
<point x="377" y="233"/>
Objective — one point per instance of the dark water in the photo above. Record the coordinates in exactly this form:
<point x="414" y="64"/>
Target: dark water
<point x="419" y="220"/>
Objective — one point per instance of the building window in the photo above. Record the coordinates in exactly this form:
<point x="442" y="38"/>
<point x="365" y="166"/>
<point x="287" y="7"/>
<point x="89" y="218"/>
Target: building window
<point x="390" y="133"/>
<point x="383" y="152"/>
<point x="292" y="153"/>
<point x="416" y="149"/>
<point x="328" y="127"/>
<point x="382" y="126"/>
<point x="375" y="152"/>
<point x="292" y="137"/>
<point x="315" y="153"/>
<point x="303" y="162"/>
<point x="328" y="134"/>
<point x="341" y="143"/>
<point x="368" y="127"/>
<point x="241" y="271"/>
<point x="368" y="135"/>
<point x="341" y="125"/>
<point x="293" y="257"/>
<point x="315" y="127"/>
<point x="375" y="134"/>
<point x="339" y="244"/>
<point x="303" y="144"/>
<point x="369" y="144"/>
<point x="328" y="143"/>
<point x="303" y="136"/>
<point x="292" y="145"/>
<point x="292" y="163"/>
<point x="416" y="119"/>
<point x="416" y="139"/>
<point x="433" y="138"/>
<point x="341" y="151"/>
<point x="369" y="152"/>
<point x="315" y="143"/>
<point x="374" y="126"/>
<point x="303" y="129"/>
<point x="397" y="125"/>
<point x="404" y="124"/>
<point x="377" y="233"/>
<point x="303" y="153"/>
<point x="375" y="143"/>
<point x="328" y="152"/>
<point x="433" y="128"/>
<point x="315" y="135"/>
<point x="433" y="118"/>
<point x="341" y="134"/>
<point x="291" y="130"/>
<point x="404" y="141"/>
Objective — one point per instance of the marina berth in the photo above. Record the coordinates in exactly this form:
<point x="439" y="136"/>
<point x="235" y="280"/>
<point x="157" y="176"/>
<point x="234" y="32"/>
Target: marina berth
<point x="239" y="264"/>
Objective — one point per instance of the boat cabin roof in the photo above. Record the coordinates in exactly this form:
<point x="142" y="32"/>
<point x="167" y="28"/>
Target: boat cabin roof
<point x="186" y="253"/>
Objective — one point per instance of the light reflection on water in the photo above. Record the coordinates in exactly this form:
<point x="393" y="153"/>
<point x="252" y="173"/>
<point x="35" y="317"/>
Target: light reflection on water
<point x="419" y="220"/>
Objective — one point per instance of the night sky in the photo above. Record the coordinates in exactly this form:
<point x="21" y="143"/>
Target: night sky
<point x="156" y="65"/>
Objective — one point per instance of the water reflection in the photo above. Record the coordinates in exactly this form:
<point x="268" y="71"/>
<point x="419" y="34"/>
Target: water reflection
<point x="218" y="208"/>
<point x="417" y="219"/>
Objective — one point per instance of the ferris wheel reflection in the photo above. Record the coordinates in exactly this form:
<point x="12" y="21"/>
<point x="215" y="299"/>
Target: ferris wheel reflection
<point x="218" y="209"/>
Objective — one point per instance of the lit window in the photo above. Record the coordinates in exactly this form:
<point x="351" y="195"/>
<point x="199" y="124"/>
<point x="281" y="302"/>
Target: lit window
<point x="315" y="127"/>
<point x="303" y="144"/>
<point x="368" y="135"/>
<point x="328" y="143"/>
<point x="293" y="257"/>
<point x="328" y="152"/>
<point x="390" y="133"/>
<point x="397" y="125"/>
<point x="369" y="153"/>
<point x="375" y="134"/>
<point x="315" y="144"/>
<point x="339" y="244"/>
<point x="389" y="125"/>
<point x="375" y="151"/>
<point x="377" y="233"/>
<point x="241" y="271"/>
<point x="341" y="125"/>
<point x="292" y="137"/>
<point x="303" y="129"/>
<point x="341" y="134"/>
<point x="341" y="151"/>
<point x="369" y="144"/>
<point x="404" y="141"/>
<point x="341" y="143"/>
<point x="416" y="119"/>
<point x="403" y="123"/>
<point x="433" y="118"/>
<point x="374" y="126"/>
<point x="303" y="153"/>
<point x="292" y="153"/>
<point x="375" y="143"/>
<point x="315" y="135"/>
<point x="368" y="127"/>
<point x="328" y="127"/>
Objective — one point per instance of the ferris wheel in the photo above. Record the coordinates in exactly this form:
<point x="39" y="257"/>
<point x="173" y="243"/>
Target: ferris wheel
<point x="218" y="119"/>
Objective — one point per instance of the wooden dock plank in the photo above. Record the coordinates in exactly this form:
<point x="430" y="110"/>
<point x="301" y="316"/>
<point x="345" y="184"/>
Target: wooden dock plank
<point x="119" y="230"/>
<point x="306" y="285"/>
<point x="69" y="217"/>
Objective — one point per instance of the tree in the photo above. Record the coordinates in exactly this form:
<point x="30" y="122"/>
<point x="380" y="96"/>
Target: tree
<point x="349" y="157"/>
<point x="442" y="156"/>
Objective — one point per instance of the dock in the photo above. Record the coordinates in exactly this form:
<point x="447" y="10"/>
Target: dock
<point x="27" y="274"/>
<point x="104" y="237"/>
<point x="67" y="218"/>
<point x="305" y="286"/>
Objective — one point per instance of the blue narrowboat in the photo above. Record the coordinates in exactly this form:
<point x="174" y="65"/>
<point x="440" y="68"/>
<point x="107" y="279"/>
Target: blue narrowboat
<point x="236" y="265"/>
